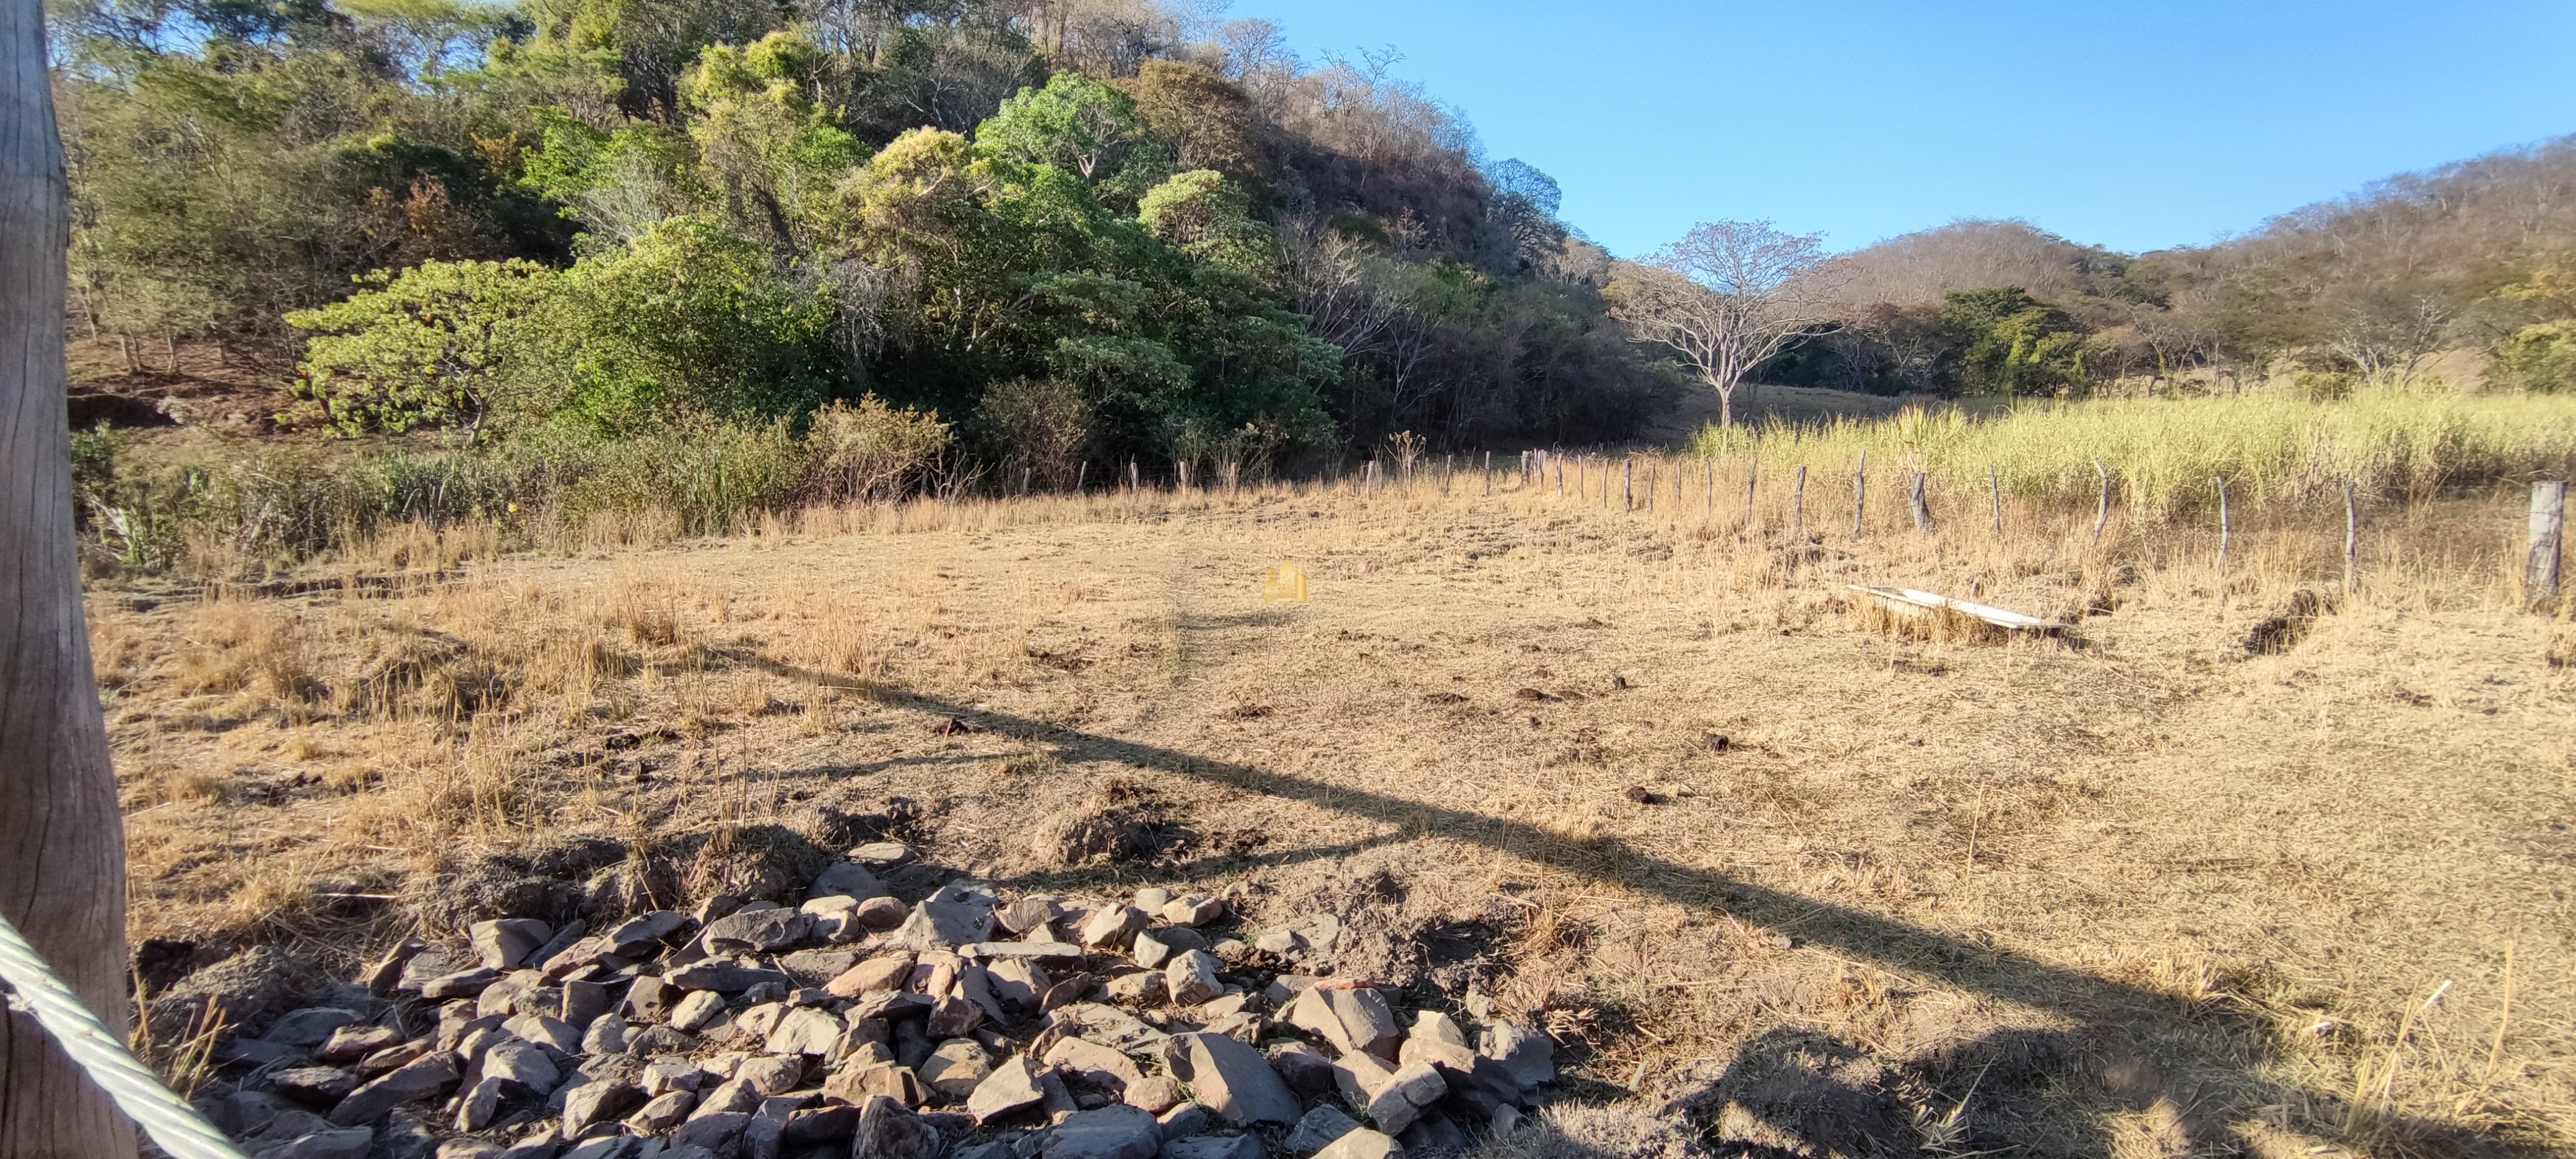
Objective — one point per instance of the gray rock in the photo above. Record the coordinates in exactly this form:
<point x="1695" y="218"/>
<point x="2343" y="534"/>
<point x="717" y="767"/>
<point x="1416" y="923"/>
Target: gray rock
<point x="1117" y="1131"/>
<point x="763" y="930"/>
<point x="476" y="1107"/>
<point x="1412" y="1090"/>
<point x="351" y="1043"/>
<point x="821" y="1125"/>
<point x="696" y="1009"/>
<point x="1191" y="978"/>
<point x="1198" y="909"/>
<point x="662" y="1113"/>
<point x="648" y="999"/>
<point x="252" y="1052"/>
<point x="1529" y="1056"/>
<point x="563" y="939"/>
<point x="770" y="1076"/>
<point x="1153" y="898"/>
<point x="1112" y="927"/>
<point x="599" y="1101"/>
<point x="642" y="936"/>
<point x="1433" y="1133"/>
<point x="1305" y="1069"/>
<point x="1232" y="1079"/>
<point x="428" y="1076"/>
<point x="541" y="1144"/>
<point x="1186" y="1120"/>
<point x="724" y="976"/>
<point x="846" y="880"/>
<point x="655" y="1040"/>
<point x="314" y="1086"/>
<point x="1094" y="1065"/>
<point x="523" y="1064"/>
<point x="1153" y="1095"/>
<point x="952" y="917"/>
<point x="505" y="944"/>
<point x="806" y="1030"/>
<point x="956" y="1069"/>
<point x="818" y="967"/>
<point x="311" y="1026"/>
<point x="1151" y="952"/>
<point x="1363" y="1144"/>
<point x="1350" y="1019"/>
<point x="1214" y="1146"/>
<point x="732" y="1096"/>
<point x="1027" y="914"/>
<point x="461" y="984"/>
<point x="573" y="958"/>
<point x="607" y="1147"/>
<point x="882" y="853"/>
<point x="1012" y="1086"/>
<point x="889" y="1130"/>
<point x="426" y="963"/>
<point x="1319" y="1128"/>
<point x="712" y="1132"/>
<point x="584" y="1002"/>
<point x="352" y="1143"/>
<point x="952" y="1016"/>
<point x="554" y="1032"/>
<point x="1143" y="988"/>
<point x="607" y="1035"/>
<point x="469" y="1149"/>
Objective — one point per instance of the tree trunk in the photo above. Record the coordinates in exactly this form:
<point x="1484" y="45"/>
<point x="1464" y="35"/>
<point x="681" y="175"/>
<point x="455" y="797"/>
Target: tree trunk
<point x="62" y="844"/>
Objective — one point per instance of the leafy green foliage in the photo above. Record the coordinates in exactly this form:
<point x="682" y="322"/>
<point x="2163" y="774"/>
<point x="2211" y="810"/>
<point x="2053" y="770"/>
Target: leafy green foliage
<point x="2006" y="342"/>
<point x="423" y="347"/>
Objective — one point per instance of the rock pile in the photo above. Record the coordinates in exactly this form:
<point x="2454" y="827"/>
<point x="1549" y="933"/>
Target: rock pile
<point x="968" y="1024"/>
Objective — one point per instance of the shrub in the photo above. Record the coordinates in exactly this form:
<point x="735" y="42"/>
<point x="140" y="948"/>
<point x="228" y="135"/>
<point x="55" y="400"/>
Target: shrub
<point x="424" y="347"/>
<point x="870" y="451"/>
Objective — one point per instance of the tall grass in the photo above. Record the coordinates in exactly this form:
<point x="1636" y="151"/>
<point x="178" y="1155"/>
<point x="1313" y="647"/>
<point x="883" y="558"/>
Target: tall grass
<point x="2163" y="453"/>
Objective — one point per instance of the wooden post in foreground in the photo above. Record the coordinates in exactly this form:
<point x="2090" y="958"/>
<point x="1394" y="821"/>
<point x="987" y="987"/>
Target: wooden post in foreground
<point x="2351" y="539"/>
<point x="1922" y="506"/>
<point x="1628" y="484"/>
<point x="2548" y="531"/>
<point x="62" y="838"/>
<point x="1995" y="488"/>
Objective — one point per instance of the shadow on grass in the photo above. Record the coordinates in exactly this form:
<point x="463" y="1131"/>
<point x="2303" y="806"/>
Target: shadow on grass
<point x="2118" y="1026"/>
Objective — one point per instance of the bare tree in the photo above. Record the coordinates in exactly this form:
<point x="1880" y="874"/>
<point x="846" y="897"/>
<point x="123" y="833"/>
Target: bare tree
<point x="62" y="844"/>
<point x="1727" y="296"/>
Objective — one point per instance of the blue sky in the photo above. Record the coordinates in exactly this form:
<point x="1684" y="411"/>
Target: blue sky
<point x="2130" y="125"/>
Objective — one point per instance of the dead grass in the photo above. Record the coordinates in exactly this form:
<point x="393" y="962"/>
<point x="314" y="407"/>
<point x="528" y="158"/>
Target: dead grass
<point x="2147" y="891"/>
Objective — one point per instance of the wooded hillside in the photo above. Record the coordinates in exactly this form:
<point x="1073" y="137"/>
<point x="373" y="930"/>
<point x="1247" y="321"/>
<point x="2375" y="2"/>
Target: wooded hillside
<point x="2477" y="256"/>
<point x="1086" y="230"/>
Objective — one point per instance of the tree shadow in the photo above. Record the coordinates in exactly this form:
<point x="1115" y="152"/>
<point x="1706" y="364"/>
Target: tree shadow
<point x="2112" y="1019"/>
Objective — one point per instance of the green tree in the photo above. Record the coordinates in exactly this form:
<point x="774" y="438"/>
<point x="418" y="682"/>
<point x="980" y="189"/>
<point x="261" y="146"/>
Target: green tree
<point x="2008" y="343"/>
<point x="427" y="346"/>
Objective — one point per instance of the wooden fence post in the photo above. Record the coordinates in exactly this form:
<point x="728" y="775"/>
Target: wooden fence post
<point x="2224" y="530"/>
<point x="2102" y="514"/>
<point x="2351" y="538"/>
<point x="2548" y="530"/>
<point x="1650" y="484"/>
<point x="1860" y="493"/>
<point x="1798" y="507"/>
<point x="1922" y="506"/>
<point x="1628" y="484"/>
<point x="1995" y="488"/>
<point x="1751" y="471"/>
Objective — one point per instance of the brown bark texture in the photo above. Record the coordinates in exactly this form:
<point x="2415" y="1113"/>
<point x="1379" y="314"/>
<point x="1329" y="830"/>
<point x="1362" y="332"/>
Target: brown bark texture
<point x="62" y="842"/>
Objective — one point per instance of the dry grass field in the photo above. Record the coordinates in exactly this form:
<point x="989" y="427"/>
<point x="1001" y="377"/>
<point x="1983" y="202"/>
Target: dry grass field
<point x="1650" y="776"/>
